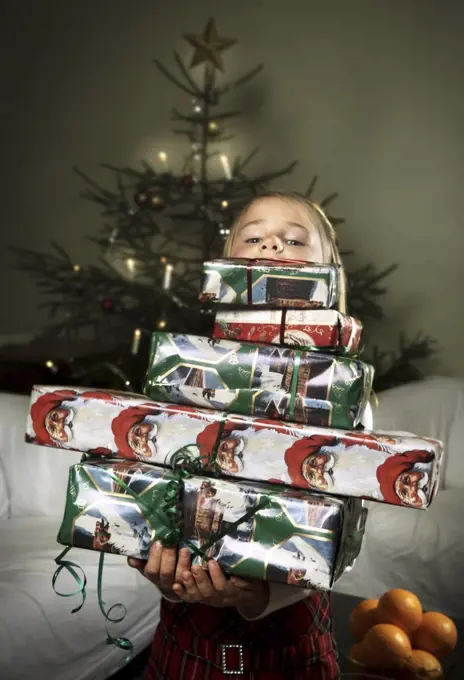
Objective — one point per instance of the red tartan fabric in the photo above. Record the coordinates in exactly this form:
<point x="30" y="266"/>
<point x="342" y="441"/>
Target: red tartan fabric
<point x="295" y="643"/>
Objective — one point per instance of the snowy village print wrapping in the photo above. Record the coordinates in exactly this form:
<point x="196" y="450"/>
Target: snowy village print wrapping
<point x="258" y="380"/>
<point x="271" y="283"/>
<point x="391" y="467"/>
<point x="117" y="507"/>
<point x="324" y="329"/>
<point x="297" y="538"/>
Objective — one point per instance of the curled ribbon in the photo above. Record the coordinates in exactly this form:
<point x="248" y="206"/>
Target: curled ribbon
<point x="168" y="516"/>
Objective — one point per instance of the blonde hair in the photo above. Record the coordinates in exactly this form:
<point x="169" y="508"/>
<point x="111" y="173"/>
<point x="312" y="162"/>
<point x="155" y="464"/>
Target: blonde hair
<point x="319" y="221"/>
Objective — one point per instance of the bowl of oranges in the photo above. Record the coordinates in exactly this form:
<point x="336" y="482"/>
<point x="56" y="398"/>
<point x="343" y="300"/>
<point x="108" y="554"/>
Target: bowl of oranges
<point x="394" y="634"/>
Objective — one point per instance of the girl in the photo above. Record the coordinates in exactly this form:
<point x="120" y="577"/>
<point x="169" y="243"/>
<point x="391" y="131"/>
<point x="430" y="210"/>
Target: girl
<point x="212" y="627"/>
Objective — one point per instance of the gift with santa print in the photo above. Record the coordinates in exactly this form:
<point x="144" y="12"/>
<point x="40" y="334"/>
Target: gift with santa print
<point x="258" y="380"/>
<point x="396" y="468"/>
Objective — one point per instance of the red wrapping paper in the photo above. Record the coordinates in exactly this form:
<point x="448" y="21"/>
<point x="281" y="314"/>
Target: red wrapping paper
<point x="314" y="329"/>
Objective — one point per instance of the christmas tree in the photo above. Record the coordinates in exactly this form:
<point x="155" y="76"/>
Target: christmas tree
<point x="159" y="226"/>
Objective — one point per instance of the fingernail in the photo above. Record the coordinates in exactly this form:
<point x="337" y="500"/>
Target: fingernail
<point x="158" y="545"/>
<point x="196" y="570"/>
<point x="132" y="562"/>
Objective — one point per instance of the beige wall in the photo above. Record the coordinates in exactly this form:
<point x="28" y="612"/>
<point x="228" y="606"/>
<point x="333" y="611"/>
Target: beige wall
<point x="366" y="93"/>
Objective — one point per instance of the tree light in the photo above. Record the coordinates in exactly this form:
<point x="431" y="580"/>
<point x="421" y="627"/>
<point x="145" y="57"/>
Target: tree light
<point x="226" y="166"/>
<point x="130" y="264"/>
<point x="136" y="341"/>
<point x="161" y="323"/>
<point x="76" y="268"/>
<point x="167" y="276"/>
<point x="224" y="204"/>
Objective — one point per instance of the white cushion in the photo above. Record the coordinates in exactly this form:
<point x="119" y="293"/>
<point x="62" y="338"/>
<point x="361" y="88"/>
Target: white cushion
<point x="36" y="476"/>
<point x="420" y="550"/>
<point x="431" y="408"/>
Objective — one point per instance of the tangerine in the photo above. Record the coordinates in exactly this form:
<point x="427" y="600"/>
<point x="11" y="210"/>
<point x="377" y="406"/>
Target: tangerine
<point x="357" y="654"/>
<point x="386" y="647"/>
<point x="362" y="618"/>
<point x="400" y="608"/>
<point x="437" y="634"/>
<point x="424" y="666"/>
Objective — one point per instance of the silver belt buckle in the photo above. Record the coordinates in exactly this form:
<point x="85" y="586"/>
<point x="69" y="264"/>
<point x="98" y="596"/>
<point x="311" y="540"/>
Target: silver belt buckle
<point x="224" y="668"/>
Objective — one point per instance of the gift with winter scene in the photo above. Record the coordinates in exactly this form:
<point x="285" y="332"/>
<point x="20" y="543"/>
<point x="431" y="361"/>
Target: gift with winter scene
<point x="256" y="530"/>
<point x="258" y="380"/>
<point x="270" y="283"/>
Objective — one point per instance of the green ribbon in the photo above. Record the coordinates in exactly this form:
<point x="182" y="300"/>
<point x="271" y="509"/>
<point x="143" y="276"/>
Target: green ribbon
<point x="71" y="568"/>
<point x="294" y="385"/>
<point x="168" y="514"/>
<point x="121" y="642"/>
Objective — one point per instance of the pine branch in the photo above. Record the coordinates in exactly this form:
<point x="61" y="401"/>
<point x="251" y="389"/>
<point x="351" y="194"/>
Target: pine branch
<point x="184" y="71"/>
<point x="178" y="83"/>
<point x="242" y="80"/>
<point x="397" y="368"/>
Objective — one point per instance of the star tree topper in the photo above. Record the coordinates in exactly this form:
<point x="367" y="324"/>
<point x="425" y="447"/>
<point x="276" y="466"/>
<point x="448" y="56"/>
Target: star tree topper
<point x="208" y="47"/>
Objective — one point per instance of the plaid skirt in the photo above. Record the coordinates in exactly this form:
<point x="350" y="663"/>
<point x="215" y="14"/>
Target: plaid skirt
<point x="196" y="642"/>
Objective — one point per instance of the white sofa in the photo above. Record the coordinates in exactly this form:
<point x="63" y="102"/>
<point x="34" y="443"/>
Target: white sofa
<point x="422" y="551"/>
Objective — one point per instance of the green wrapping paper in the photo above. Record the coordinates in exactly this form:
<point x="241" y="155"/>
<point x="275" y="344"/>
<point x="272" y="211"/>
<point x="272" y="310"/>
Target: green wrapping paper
<point x="258" y="380"/>
<point x="119" y="507"/>
<point x="299" y="538"/>
<point x="271" y="283"/>
<point x="256" y="530"/>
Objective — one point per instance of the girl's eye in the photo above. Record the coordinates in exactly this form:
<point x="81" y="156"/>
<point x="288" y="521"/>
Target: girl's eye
<point x="293" y="242"/>
<point x="252" y="240"/>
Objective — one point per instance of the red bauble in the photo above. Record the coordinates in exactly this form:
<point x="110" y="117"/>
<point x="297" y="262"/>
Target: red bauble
<point x="108" y="304"/>
<point x="188" y="181"/>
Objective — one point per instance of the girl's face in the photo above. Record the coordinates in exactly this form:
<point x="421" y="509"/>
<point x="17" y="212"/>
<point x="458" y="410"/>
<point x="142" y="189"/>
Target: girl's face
<point x="274" y="228"/>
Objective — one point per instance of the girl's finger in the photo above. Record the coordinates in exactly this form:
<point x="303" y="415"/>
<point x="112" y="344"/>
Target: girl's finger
<point x="168" y="565"/>
<point x="203" y="582"/>
<point x="152" y="566"/>
<point x="183" y="563"/>
<point x="218" y="578"/>
<point x="135" y="563"/>
<point x="242" y="583"/>
<point x="190" y="586"/>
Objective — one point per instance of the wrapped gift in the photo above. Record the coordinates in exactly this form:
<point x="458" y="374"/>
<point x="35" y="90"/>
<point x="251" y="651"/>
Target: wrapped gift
<point x="396" y="468"/>
<point x="117" y="507"/>
<point x="288" y="536"/>
<point x="259" y="531"/>
<point x="259" y="380"/>
<point x="324" y="329"/>
<point x="271" y="283"/>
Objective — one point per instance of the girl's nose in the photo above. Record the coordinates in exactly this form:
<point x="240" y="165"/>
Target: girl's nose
<point x="272" y="244"/>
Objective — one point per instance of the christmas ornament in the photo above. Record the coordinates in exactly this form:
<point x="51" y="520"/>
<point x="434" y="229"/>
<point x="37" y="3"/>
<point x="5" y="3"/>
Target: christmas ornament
<point x="214" y="129"/>
<point x="157" y="202"/>
<point x="108" y="305"/>
<point x="208" y="46"/>
<point x="141" y="199"/>
<point x="188" y="181"/>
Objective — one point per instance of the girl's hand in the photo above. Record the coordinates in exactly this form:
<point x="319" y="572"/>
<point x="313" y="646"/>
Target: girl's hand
<point x="163" y="567"/>
<point x="212" y="588"/>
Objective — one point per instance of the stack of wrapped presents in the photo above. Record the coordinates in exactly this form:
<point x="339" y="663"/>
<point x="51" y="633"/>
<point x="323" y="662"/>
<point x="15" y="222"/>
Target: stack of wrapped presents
<point x="247" y="447"/>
